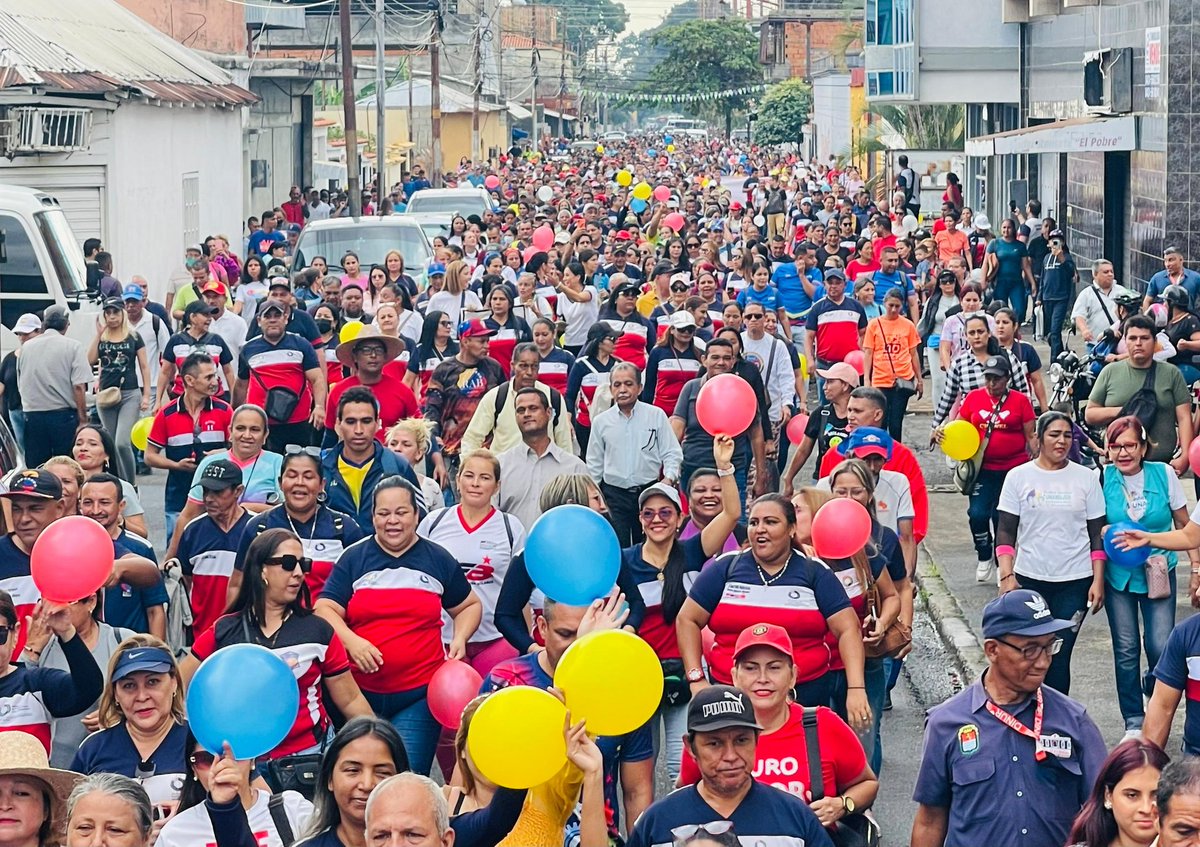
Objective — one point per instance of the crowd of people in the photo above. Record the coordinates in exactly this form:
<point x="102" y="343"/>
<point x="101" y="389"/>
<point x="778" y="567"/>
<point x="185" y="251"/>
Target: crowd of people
<point x="355" y="456"/>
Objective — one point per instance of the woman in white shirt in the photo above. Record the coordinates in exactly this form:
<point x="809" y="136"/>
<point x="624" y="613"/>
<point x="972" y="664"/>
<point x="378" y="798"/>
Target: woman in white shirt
<point x="579" y="306"/>
<point x="1048" y="535"/>
<point x="456" y="299"/>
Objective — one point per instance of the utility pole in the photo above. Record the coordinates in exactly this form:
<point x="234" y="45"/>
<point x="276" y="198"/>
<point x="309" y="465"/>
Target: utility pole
<point x="380" y="110"/>
<point x="478" y="62"/>
<point x="562" y="79"/>
<point x="348" y="118"/>
<point x="534" y="56"/>
<point x="435" y="97"/>
<point x="410" y="100"/>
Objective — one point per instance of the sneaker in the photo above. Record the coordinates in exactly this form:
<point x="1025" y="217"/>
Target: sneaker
<point x="887" y="702"/>
<point x="1132" y="733"/>
<point x="983" y="571"/>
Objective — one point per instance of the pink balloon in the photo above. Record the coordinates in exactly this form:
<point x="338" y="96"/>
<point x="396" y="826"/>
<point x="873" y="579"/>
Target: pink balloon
<point x="71" y="559"/>
<point x="795" y="428"/>
<point x="530" y="252"/>
<point x="491" y="181"/>
<point x="840" y="528"/>
<point x="855" y="360"/>
<point x="451" y="688"/>
<point x="726" y="405"/>
<point x="662" y="194"/>
<point x="543" y="237"/>
<point x="1194" y="456"/>
<point x="675" y="221"/>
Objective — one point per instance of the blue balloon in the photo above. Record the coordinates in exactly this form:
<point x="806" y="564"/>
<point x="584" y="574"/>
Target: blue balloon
<point x="1134" y="558"/>
<point x="669" y="139"/>
<point x="572" y="555"/>
<point x="244" y="695"/>
<point x="651" y="153"/>
<point x="637" y="205"/>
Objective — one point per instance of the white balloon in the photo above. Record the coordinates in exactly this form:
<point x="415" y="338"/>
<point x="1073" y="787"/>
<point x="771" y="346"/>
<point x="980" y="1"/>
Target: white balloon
<point x="545" y="194"/>
<point x="759" y="220"/>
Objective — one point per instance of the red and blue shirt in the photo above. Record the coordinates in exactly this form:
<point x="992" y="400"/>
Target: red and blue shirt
<point x="280" y="365"/>
<point x="554" y="368"/>
<point x="837" y="326"/>
<point x="16" y="578"/>
<point x="396" y="603"/>
<point x="112" y="751"/>
<point x="324" y="537"/>
<point x="179" y="436"/>
<point x="1179" y="668"/>
<point x="654" y="629"/>
<point x="207" y="554"/>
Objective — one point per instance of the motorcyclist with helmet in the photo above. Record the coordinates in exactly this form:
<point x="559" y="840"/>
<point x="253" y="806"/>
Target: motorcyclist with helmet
<point x="1183" y="329"/>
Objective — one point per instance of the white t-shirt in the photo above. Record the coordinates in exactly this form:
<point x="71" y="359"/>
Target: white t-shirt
<point x="458" y="307"/>
<point x="1054" y="508"/>
<point x="893" y="498"/>
<point x="579" y="316"/>
<point x="192" y="827"/>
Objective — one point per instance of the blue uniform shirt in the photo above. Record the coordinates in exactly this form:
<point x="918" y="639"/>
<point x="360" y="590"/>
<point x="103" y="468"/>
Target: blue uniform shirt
<point x="111" y="751"/>
<point x="766" y="816"/>
<point x="125" y="605"/>
<point x="1179" y="667"/>
<point x="1158" y="282"/>
<point x="987" y="775"/>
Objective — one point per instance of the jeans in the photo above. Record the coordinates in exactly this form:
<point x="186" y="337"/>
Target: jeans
<point x="1190" y="373"/>
<point x="1065" y="600"/>
<point x="17" y="418"/>
<point x="897" y="408"/>
<point x="119" y="420"/>
<point x="49" y="434"/>
<point x="674" y="725"/>
<point x="1054" y="313"/>
<point x="171" y="519"/>
<point x="408" y="712"/>
<point x="1158" y="617"/>
<point x="937" y="376"/>
<point x="876" y="680"/>
<point x="1014" y="293"/>
<point x="281" y="435"/>
<point x="981" y="511"/>
<point x="819" y="691"/>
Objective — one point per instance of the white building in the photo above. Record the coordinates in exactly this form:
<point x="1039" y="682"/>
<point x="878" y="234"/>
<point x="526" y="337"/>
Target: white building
<point x="139" y="137"/>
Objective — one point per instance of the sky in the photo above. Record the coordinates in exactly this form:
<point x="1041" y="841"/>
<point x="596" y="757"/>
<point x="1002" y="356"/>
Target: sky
<point x="644" y="14"/>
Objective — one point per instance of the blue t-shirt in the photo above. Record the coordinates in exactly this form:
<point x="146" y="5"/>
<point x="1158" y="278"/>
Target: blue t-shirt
<point x="768" y="298"/>
<point x="787" y="280"/>
<point x="260" y="476"/>
<point x="886" y="282"/>
<point x="1179" y="668"/>
<point x="261" y="241"/>
<point x="765" y="816"/>
<point x="636" y="746"/>
<point x="1159" y="282"/>
<point x="112" y="751"/>
<point x="1011" y="255"/>
<point x="125" y="605"/>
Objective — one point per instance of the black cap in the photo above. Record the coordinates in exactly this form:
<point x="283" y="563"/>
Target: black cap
<point x="720" y="707"/>
<point x="663" y="268"/>
<point x="220" y="475"/>
<point x="199" y="307"/>
<point x="997" y="366"/>
<point x="835" y="273"/>
<point x="37" y="482"/>
<point x="601" y="330"/>
<point x="272" y="305"/>
<point x="626" y="288"/>
<point x="114" y="303"/>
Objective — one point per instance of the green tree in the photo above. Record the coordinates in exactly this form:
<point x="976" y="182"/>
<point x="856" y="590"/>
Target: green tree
<point x="913" y="126"/>
<point x="589" y="23"/>
<point x="783" y="112"/>
<point x="706" y="57"/>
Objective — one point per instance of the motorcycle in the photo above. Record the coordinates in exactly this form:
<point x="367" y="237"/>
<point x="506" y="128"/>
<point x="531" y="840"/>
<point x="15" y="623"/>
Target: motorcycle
<point x="1071" y="380"/>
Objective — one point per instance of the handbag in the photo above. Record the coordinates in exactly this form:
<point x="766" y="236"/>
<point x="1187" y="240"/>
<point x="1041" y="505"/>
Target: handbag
<point x="1158" y="577"/>
<point x="856" y="830"/>
<point x="280" y="403"/>
<point x="895" y="638"/>
<point x="106" y="398"/>
<point x="676" y="690"/>
<point x="967" y="471"/>
<point x="907" y="387"/>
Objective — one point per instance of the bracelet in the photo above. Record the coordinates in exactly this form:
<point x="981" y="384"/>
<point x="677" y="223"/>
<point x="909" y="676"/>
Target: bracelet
<point x="856" y="688"/>
<point x="1005" y="550"/>
<point x="1099" y="556"/>
<point x="1008" y="576"/>
<point x="723" y="472"/>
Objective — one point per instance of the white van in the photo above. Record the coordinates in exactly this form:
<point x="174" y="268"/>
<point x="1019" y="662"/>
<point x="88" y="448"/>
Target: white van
<point x="41" y="263"/>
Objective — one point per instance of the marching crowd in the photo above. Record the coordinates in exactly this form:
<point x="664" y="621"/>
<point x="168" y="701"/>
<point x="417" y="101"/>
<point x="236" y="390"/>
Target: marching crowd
<point x="355" y="457"/>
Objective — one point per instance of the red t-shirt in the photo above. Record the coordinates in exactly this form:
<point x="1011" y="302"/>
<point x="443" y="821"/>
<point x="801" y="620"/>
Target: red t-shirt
<point x="1006" y="447"/>
<point x="781" y="758"/>
<point x="856" y="267"/>
<point x="396" y="402"/>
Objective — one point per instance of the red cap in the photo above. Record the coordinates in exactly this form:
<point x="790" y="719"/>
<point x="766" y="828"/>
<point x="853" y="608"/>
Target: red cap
<point x="213" y="285"/>
<point x="622" y="236"/>
<point x="764" y="635"/>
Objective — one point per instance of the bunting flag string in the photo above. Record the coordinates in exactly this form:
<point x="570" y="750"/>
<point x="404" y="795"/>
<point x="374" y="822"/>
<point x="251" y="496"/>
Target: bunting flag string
<point x="651" y="97"/>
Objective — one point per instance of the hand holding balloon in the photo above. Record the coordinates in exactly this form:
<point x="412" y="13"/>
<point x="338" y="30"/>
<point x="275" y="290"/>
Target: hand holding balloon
<point x="227" y="778"/>
<point x="723" y="447"/>
<point x="609" y="612"/>
<point x="582" y="751"/>
<point x="57" y="618"/>
<point x="1131" y="539"/>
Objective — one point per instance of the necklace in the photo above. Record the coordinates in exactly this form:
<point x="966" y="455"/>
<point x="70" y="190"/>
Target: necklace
<point x="768" y="580"/>
<point x="312" y="531"/>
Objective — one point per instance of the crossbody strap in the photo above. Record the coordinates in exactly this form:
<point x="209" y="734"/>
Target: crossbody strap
<point x="279" y="816"/>
<point x="812" y="744"/>
<point x="1103" y="307"/>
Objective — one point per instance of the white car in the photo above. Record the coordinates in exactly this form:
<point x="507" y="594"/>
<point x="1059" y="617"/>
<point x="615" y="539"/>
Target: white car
<point x="450" y="202"/>
<point x="368" y="238"/>
<point x="615" y="136"/>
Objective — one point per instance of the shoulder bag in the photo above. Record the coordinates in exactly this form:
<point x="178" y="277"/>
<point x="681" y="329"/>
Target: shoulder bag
<point x="1143" y="405"/>
<point x="895" y="638"/>
<point x="906" y="387"/>
<point x="106" y="398"/>
<point x="279" y="403"/>
<point x="856" y="830"/>
<point x="967" y="471"/>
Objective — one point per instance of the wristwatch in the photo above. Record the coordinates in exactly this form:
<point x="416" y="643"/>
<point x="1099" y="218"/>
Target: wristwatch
<point x="848" y="804"/>
<point x="695" y="675"/>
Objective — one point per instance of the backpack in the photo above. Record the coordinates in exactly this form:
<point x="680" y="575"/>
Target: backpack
<point x="1143" y="405"/>
<point x="502" y="398"/>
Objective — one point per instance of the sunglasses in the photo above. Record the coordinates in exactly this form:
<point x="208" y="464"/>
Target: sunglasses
<point x="755" y="317"/>
<point x="664" y="514"/>
<point x="683" y="833"/>
<point x="687" y="330"/>
<point x="694" y="245"/>
<point x="297" y="449"/>
<point x="202" y="760"/>
<point x="679" y="286"/>
<point x="288" y="563"/>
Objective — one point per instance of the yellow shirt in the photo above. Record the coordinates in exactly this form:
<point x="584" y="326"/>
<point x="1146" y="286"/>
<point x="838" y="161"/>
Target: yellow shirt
<point x="647" y="302"/>
<point x="354" y="476"/>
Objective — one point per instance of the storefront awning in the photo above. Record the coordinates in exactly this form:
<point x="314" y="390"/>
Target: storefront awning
<point x="1077" y="135"/>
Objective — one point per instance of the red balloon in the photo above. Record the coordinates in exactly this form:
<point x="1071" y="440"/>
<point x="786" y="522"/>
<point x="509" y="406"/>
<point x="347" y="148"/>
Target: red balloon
<point x="840" y="528"/>
<point x="1194" y="456"/>
<point x="855" y="360"/>
<point x="71" y="559"/>
<point x="543" y="237"/>
<point x="795" y="428"/>
<point x="491" y="181"/>
<point x="530" y="252"/>
<point x="675" y="221"/>
<point x="451" y="688"/>
<point x="726" y="405"/>
<point x="662" y="194"/>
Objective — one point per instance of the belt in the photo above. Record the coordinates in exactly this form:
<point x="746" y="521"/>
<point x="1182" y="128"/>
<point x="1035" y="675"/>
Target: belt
<point x="633" y="489"/>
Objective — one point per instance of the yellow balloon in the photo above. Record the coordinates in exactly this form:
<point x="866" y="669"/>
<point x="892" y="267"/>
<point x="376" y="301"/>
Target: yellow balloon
<point x="642" y="191"/>
<point x="600" y="149"/>
<point x="139" y="436"/>
<point x="670" y="148"/>
<point x="803" y="367"/>
<point x="350" y="331"/>
<point x="624" y="178"/>
<point x="585" y="676"/>
<point x="516" y="737"/>
<point x="960" y="440"/>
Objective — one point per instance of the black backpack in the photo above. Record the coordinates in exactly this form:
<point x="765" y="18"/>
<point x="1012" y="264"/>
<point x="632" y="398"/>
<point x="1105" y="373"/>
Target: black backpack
<point x="502" y="398"/>
<point x="1143" y="405"/>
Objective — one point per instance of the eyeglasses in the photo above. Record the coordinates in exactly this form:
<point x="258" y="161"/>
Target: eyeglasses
<point x="679" y="286"/>
<point x="683" y="833"/>
<point x="755" y="317"/>
<point x="664" y="514"/>
<point x="370" y="350"/>
<point x="289" y="562"/>
<point x="1030" y="652"/>
<point x="1116" y="448"/>
<point x="297" y="449"/>
<point x="202" y="760"/>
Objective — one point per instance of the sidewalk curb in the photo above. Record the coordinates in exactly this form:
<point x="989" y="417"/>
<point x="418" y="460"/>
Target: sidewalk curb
<point x="939" y="603"/>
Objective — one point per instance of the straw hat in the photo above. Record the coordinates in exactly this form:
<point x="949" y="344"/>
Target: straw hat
<point x="21" y="754"/>
<point x="393" y="346"/>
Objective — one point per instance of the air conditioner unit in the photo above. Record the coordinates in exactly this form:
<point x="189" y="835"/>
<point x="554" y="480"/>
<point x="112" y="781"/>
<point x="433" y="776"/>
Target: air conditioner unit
<point x="38" y="129"/>
<point x="1108" y="81"/>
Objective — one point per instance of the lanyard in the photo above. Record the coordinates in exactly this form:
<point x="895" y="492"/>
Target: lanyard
<point x="1016" y="726"/>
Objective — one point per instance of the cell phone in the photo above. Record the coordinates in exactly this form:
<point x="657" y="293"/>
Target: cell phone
<point x="160" y="813"/>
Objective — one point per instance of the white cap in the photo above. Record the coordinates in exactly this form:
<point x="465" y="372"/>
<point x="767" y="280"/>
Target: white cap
<point x="562" y="238"/>
<point x="982" y="224"/>
<point x="27" y="323"/>
<point x="681" y="319"/>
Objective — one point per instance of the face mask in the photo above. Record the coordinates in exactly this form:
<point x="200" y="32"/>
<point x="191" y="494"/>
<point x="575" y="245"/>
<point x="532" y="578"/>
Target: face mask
<point x="324" y="325"/>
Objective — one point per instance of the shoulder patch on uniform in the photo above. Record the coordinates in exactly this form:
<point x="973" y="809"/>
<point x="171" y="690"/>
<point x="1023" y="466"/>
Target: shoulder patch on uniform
<point x="968" y="739"/>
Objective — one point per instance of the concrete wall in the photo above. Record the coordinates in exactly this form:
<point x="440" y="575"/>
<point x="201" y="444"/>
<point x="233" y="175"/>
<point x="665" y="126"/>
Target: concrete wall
<point x="273" y="126"/>
<point x="966" y="53"/>
<point x="212" y="25"/>
<point x="831" y="114"/>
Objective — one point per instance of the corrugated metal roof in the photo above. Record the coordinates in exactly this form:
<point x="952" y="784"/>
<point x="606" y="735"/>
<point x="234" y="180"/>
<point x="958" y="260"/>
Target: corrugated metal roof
<point x="99" y="46"/>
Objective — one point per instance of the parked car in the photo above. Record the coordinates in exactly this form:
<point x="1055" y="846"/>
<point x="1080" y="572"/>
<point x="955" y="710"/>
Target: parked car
<point x="450" y="202"/>
<point x="368" y="238"/>
<point x="615" y="136"/>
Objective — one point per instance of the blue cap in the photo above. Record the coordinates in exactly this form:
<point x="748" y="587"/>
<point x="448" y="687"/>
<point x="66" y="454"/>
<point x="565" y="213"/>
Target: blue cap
<point x="132" y="292"/>
<point x="436" y="269"/>
<point x="868" y="441"/>
<point x="152" y="659"/>
<point x="1020" y="612"/>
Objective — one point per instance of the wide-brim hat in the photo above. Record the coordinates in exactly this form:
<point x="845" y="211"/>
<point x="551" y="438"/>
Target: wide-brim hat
<point x="393" y="346"/>
<point x="21" y="754"/>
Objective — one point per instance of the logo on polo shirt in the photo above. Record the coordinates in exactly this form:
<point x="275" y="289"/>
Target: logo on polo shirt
<point x="1038" y="605"/>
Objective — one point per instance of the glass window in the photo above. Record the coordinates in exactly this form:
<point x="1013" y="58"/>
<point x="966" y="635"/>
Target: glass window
<point x="20" y="272"/>
<point x="64" y="254"/>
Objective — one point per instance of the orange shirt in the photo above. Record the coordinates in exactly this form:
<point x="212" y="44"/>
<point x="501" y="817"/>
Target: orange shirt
<point x="950" y="244"/>
<point x="891" y="344"/>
